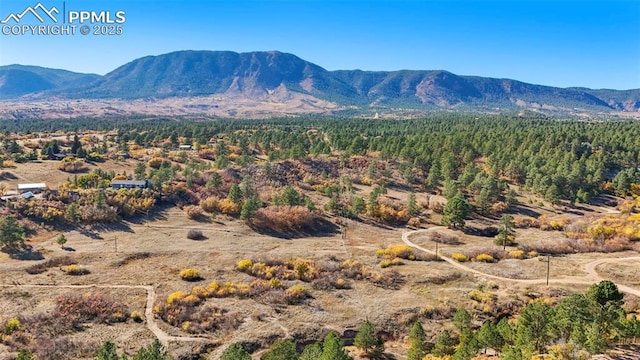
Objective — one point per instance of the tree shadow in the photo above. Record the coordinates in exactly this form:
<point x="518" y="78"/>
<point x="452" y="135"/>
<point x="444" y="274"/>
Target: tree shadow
<point x="488" y="231"/>
<point x="320" y="227"/>
<point x="68" y="248"/>
<point x="157" y="213"/>
<point x="25" y="252"/>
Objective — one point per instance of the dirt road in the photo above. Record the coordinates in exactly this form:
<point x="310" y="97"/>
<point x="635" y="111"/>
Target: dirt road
<point x="590" y="268"/>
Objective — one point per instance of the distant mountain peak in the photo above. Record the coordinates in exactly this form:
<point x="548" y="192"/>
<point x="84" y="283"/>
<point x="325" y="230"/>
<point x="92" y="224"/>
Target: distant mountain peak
<point x="261" y="74"/>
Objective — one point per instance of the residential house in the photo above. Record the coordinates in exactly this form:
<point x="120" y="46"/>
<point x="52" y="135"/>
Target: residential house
<point x="130" y="184"/>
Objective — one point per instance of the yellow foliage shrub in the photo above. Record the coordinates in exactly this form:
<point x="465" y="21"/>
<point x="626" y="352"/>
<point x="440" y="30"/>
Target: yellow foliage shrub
<point x="75" y="270"/>
<point x="516" y="254"/>
<point x="210" y="204"/>
<point x="201" y="292"/>
<point x="228" y="207"/>
<point x="214" y="286"/>
<point x="395" y="251"/>
<point x="390" y="262"/>
<point x="485" y="258"/>
<point x="193" y="212"/>
<point x="190" y="275"/>
<point x="12" y="325"/>
<point x="275" y="283"/>
<point x="178" y="295"/>
<point x="244" y="265"/>
<point x="459" y="257"/>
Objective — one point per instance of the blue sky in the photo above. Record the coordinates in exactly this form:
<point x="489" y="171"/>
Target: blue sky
<point x="560" y="43"/>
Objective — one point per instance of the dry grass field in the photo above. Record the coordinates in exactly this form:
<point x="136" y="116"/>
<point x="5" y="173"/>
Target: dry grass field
<point x="138" y="263"/>
<point x="154" y="252"/>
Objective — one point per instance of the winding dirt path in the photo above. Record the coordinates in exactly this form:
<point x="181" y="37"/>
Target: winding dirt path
<point x="590" y="268"/>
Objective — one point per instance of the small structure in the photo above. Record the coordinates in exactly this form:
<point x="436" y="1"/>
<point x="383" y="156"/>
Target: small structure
<point x="125" y="155"/>
<point x="130" y="184"/>
<point x="59" y="156"/>
<point x="28" y="195"/>
<point x="184" y="147"/>
<point x="33" y="188"/>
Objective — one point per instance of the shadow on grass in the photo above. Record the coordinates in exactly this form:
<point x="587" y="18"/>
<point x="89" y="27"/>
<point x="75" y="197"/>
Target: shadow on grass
<point x="318" y="227"/>
<point x="23" y="253"/>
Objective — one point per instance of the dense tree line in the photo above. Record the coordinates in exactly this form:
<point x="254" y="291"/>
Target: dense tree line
<point x="570" y="160"/>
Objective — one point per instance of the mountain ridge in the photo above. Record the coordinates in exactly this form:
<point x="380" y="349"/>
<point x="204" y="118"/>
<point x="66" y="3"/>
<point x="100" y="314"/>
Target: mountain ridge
<point x="257" y="75"/>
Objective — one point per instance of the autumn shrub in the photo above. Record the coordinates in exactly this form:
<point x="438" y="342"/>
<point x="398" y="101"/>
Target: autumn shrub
<point x="516" y="254"/>
<point x="390" y="262"/>
<point x="190" y="275"/>
<point x="414" y="222"/>
<point x="390" y="215"/>
<point x="193" y="212"/>
<point x="244" y="265"/>
<point x="228" y="207"/>
<point x="485" y="258"/>
<point x="498" y="208"/>
<point x="157" y="162"/>
<point x="284" y="219"/>
<point x="71" y="165"/>
<point x="496" y="253"/>
<point x="129" y="202"/>
<point x="98" y="214"/>
<point x="185" y="311"/>
<point x="329" y="281"/>
<point x="91" y="307"/>
<point x="137" y="316"/>
<point x="391" y="279"/>
<point x="210" y="204"/>
<point x="353" y="269"/>
<point x="446" y="239"/>
<point x="526" y="222"/>
<point x="482" y="296"/>
<point x="396" y="251"/>
<point x="51" y="263"/>
<point x="295" y="294"/>
<point x="460" y="257"/>
<point x="12" y="325"/>
<point x="76" y="270"/>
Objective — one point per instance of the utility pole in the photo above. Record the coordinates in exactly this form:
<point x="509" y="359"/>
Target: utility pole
<point x="548" y="268"/>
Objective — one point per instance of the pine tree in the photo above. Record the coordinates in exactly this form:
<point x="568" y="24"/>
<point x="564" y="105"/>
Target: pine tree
<point x="506" y="232"/>
<point x="11" y="232"/>
<point x="312" y="352"/>
<point x="249" y="208"/>
<point x="154" y="351"/>
<point x="235" y="194"/>
<point x="61" y="240"/>
<point x="444" y="344"/>
<point x="235" y="351"/>
<point x="25" y="354"/>
<point x="333" y="348"/>
<point x="417" y="349"/>
<point x="283" y="350"/>
<point x="489" y="337"/>
<point x="107" y="352"/>
<point x="367" y="340"/>
<point x="462" y="320"/>
<point x="412" y="205"/>
<point x="455" y="212"/>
